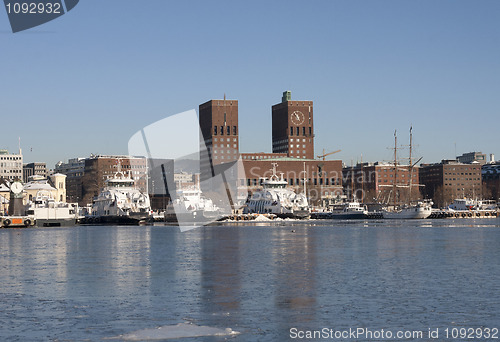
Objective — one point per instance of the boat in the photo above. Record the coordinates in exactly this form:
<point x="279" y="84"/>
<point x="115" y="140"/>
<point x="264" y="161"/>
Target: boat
<point x="352" y="210"/>
<point x="190" y="205"/>
<point x="472" y="204"/>
<point x="50" y="213"/>
<point x="276" y="198"/>
<point x="119" y="202"/>
<point x="471" y="208"/>
<point x="408" y="210"/>
<point x="420" y="210"/>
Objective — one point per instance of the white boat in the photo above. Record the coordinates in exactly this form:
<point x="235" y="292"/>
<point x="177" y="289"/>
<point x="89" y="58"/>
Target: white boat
<point x="120" y="202"/>
<point x="472" y="204"/>
<point x="421" y="210"/>
<point x="471" y="208"/>
<point x="49" y="213"/>
<point x="191" y="206"/>
<point x="276" y="198"/>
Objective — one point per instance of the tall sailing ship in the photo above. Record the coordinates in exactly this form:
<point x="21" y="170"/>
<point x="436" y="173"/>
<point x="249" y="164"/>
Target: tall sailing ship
<point x="407" y="209"/>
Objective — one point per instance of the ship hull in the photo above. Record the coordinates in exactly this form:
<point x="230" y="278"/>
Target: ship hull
<point x="194" y="216"/>
<point x="115" y="219"/>
<point x="69" y="222"/>
<point x="407" y="214"/>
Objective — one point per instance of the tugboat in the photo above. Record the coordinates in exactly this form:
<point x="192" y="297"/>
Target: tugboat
<point x="119" y="203"/>
<point x="276" y="198"/>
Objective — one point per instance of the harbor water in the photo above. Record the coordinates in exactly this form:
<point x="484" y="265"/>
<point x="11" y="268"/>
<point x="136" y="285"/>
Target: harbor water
<point x="267" y="281"/>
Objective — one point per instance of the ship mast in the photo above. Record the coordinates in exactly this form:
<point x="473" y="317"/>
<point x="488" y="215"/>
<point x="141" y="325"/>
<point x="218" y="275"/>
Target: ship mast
<point x="394" y="186"/>
<point x="410" y="166"/>
<point x="362" y="180"/>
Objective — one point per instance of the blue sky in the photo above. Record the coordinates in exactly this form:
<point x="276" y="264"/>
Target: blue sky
<point x="87" y="81"/>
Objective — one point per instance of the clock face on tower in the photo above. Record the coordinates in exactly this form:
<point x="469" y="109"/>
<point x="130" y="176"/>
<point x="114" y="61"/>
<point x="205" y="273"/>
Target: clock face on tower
<point x="297" y="117"/>
<point x="16" y="188"/>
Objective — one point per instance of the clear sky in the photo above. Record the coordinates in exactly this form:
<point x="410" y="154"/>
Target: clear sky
<point x="87" y="81"/>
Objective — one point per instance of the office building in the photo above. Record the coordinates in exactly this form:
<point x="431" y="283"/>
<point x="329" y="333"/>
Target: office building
<point x="445" y="181"/>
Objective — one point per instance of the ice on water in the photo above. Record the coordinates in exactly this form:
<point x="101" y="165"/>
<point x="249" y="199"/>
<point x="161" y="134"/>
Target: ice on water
<point x="180" y="330"/>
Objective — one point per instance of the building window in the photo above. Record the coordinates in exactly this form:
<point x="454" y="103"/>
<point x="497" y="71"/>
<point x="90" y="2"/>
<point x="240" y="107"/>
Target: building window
<point x="235" y="131"/>
<point x="310" y="129"/>
<point x="221" y="130"/>
<point x="303" y="131"/>
<point x="298" y="131"/>
<point x="228" y="130"/>
<point x="215" y="130"/>
<point x="291" y="130"/>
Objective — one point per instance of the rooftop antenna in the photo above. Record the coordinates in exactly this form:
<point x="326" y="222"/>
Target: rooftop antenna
<point x="20" y="152"/>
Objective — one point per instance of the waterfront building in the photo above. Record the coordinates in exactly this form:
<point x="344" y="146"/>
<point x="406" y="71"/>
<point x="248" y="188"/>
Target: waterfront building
<point x="11" y="165"/>
<point x="293" y="127"/>
<point x="450" y="179"/>
<point x="55" y="185"/>
<point x="471" y="157"/>
<point x="73" y="170"/>
<point x="320" y="179"/>
<point x="491" y="180"/>
<point x="31" y="169"/>
<point x="376" y="183"/>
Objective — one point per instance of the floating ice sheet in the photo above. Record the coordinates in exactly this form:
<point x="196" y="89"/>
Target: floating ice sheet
<point x="174" y="331"/>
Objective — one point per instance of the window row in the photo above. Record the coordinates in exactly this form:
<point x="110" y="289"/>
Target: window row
<point x="227" y="129"/>
<point x="297" y="130"/>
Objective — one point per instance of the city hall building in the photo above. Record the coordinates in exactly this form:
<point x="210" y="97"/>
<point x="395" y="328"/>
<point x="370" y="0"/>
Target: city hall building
<point x="292" y="145"/>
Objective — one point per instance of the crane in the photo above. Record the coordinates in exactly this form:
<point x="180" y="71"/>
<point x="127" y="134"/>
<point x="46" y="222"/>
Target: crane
<point x="327" y="154"/>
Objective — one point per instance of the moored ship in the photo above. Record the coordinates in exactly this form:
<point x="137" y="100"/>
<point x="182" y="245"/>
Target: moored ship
<point x="276" y="198"/>
<point x="420" y="210"/>
<point x="119" y="203"/>
<point x="191" y="206"/>
<point x="50" y="213"/>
